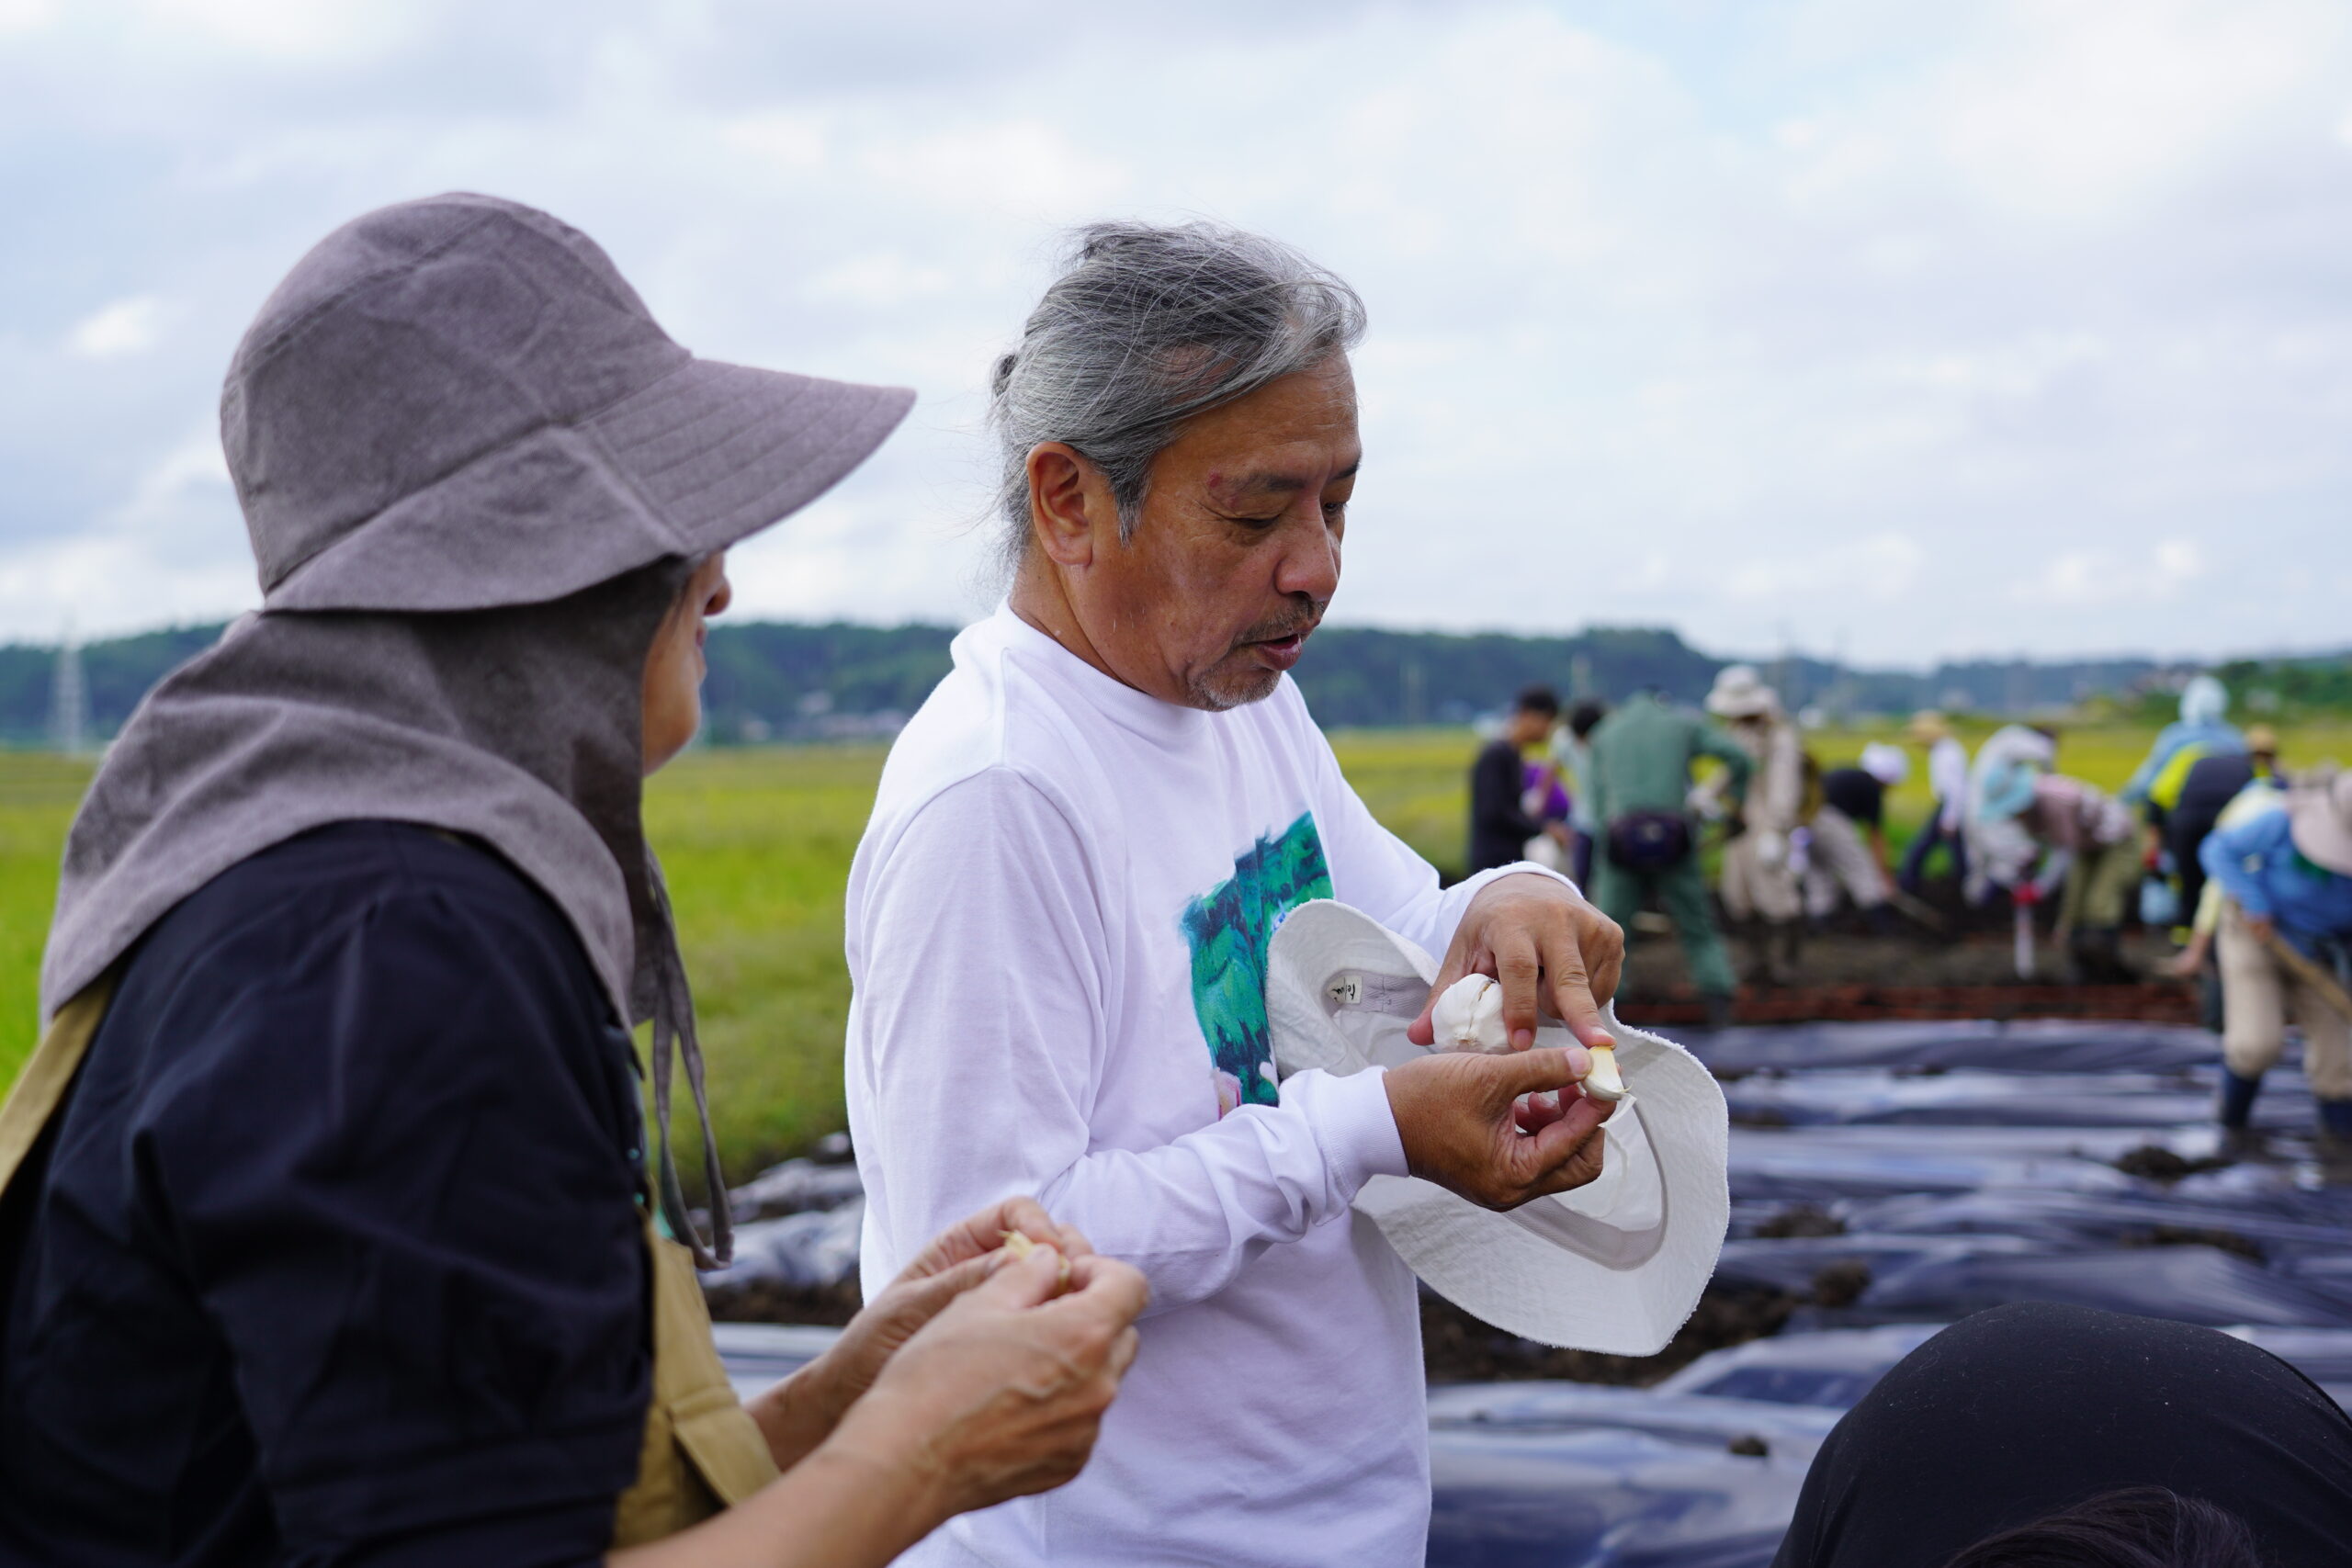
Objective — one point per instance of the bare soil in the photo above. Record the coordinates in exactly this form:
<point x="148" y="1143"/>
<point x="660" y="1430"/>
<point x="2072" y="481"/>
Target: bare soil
<point x="1842" y="975"/>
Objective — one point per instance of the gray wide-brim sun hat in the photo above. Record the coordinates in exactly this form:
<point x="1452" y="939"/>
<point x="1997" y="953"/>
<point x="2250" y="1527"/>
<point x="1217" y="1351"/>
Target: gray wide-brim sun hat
<point x="477" y="474"/>
<point x="540" y="404"/>
<point x="1616" y="1266"/>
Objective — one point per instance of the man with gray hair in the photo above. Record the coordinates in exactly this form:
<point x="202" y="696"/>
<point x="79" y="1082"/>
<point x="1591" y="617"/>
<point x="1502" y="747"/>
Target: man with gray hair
<point x="1057" y="924"/>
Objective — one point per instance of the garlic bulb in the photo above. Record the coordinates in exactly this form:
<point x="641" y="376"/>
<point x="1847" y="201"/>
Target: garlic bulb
<point x="1469" y="1016"/>
<point x="1604" y="1083"/>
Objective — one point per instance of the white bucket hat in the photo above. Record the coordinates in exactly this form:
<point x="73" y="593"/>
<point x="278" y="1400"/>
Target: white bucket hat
<point x="1740" y="692"/>
<point x="1614" y="1266"/>
<point x="1885" y="763"/>
<point x="2320" y="821"/>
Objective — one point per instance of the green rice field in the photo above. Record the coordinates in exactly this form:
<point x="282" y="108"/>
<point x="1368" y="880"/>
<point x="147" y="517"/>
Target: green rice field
<point x="758" y="840"/>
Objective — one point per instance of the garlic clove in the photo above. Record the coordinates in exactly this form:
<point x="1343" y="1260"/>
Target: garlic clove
<point x="1019" y="1245"/>
<point x="1603" y="1082"/>
<point x="1469" y="1016"/>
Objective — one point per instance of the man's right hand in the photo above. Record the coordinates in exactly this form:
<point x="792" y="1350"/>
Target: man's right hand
<point x="1002" y="1395"/>
<point x="1459" y="1117"/>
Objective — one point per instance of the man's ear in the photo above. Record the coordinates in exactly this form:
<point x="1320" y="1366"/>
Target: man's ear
<point x="1071" y="513"/>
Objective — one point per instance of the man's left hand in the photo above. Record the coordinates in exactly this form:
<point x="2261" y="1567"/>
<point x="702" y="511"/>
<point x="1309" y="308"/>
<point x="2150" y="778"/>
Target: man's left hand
<point x="1543" y="942"/>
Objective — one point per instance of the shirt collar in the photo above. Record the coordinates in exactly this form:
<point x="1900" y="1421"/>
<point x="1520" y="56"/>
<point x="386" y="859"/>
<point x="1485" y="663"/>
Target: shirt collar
<point x="1163" y="723"/>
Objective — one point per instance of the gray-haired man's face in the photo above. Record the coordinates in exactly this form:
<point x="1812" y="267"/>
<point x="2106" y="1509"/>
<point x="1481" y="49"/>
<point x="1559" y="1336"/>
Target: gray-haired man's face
<point x="1237" y="553"/>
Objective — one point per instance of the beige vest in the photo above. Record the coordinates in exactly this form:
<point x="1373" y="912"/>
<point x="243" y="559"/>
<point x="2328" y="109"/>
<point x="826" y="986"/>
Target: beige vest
<point x="701" y="1451"/>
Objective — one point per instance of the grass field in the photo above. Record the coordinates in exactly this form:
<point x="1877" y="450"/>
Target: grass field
<point x="758" y="842"/>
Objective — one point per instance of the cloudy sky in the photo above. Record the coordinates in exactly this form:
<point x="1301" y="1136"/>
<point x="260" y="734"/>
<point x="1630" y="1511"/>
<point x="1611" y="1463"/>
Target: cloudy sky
<point x="1890" y="329"/>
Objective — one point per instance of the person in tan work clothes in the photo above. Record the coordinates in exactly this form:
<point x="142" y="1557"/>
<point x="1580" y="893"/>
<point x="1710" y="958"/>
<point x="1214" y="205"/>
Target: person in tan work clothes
<point x="1762" y="886"/>
<point x="329" y="1231"/>
<point x="2286" y="880"/>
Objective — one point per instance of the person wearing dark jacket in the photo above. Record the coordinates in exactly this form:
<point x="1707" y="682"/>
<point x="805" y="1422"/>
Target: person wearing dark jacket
<point x="2212" y="782"/>
<point x="2040" y="1434"/>
<point x="1500" y="824"/>
<point x="330" y="1229"/>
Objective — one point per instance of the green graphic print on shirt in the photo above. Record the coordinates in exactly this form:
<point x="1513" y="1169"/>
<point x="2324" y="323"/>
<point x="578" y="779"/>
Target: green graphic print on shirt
<point x="1228" y="928"/>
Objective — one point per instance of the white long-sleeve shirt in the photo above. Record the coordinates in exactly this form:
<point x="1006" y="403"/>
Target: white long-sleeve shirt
<point x="1057" y="932"/>
<point x="1948" y="777"/>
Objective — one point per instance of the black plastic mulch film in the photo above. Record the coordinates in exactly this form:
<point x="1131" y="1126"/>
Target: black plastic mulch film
<point x="1886" y="1179"/>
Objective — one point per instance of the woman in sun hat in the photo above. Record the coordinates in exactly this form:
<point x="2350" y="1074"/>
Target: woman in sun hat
<point x="328" y="1228"/>
<point x="2286" y="877"/>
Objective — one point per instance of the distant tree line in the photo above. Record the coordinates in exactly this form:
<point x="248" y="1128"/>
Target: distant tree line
<point x="775" y="681"/>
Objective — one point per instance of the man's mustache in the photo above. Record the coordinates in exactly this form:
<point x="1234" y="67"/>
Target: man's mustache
<point x="1298" y="624"/>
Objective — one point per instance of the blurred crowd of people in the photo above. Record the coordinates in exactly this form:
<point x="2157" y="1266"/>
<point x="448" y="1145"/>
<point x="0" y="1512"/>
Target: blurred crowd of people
<point x="2248" y="870"/>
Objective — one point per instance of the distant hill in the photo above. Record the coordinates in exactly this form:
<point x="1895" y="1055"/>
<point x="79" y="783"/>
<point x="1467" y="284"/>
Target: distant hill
<point x="778" y="681"/>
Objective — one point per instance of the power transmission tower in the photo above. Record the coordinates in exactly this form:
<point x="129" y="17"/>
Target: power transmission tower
<point x="69" y="700"/>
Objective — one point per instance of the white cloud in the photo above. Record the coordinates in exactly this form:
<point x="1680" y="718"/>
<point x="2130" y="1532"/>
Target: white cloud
<point x="193" y="471"/>
<point x="2076" y="577"/>
<point x="2078" y="110"/>
<point x="291" y="31"/>
<point x="125" y="328"/>
<point x="26" y="16"/>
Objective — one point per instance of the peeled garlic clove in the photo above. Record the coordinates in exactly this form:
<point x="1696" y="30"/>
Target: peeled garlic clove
<point x="1020" y="1246"/>
<point x="1469" y="1016"/>
<point x="1603" y="1082"/>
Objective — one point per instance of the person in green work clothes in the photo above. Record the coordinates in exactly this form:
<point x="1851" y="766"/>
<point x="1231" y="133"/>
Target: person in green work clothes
<point x="1642" y="755"/>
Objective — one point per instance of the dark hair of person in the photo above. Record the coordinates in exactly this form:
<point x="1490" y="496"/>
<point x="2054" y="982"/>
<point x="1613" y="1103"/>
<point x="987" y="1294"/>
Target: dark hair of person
<point x="1538" y="699"/>
<point x="2140" y="1527"/>
<point x="1584" y="715"/>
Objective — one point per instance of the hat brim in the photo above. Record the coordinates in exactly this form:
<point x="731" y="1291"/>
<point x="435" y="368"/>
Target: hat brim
<point x="1616" y="1266"/>
<point x="2319" y="829"/>
<point x="722" y="451"/>
<point x="698" y="460"/>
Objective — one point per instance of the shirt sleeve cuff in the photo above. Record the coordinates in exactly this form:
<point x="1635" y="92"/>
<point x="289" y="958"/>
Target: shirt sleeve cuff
<point x="1475" y="884"/>
<point x="1354" y="1125"/>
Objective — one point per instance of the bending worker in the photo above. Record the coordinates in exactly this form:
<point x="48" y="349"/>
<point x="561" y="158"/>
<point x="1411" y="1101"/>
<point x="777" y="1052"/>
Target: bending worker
<point x="2081" y="836"/>
<point x="1640" y="787"/>
<point x="1853" y="803"/>
<point x="330" y="1229"/>
<point x="2286" y="878"/>
<point x="2200" y="734"/>
<point x="2207" y="788"/>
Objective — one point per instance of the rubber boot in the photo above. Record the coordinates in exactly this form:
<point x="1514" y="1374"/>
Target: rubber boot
<point x="1790" y="950"/>
<point x="2110" y="943"/>
<point x="1718" y="1009"/>
<point x="2239" y="1140"/>
<point x="2336" y="1132"/>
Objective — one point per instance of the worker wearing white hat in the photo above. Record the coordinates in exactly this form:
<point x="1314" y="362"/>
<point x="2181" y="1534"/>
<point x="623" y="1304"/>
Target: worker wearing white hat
<point x="1760" y="879"/>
